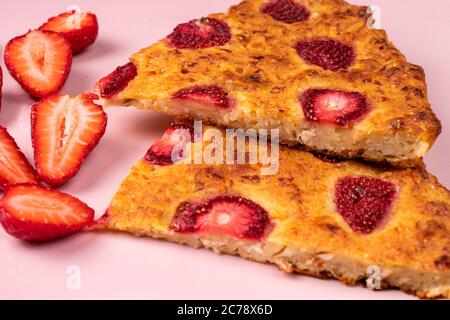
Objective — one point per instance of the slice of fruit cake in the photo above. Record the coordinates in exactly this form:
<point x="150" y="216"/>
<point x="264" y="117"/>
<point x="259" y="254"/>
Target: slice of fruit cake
<point x="314" y="69"/>
<point x="319" y="216"/>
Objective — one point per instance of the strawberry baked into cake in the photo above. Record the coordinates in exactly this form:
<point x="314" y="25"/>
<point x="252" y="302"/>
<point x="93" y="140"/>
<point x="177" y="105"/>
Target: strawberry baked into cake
<point x="318" y="216"/>
<point x="314" y="69"/>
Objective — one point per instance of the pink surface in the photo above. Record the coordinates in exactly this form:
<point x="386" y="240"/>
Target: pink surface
<point x="120" y="266"/>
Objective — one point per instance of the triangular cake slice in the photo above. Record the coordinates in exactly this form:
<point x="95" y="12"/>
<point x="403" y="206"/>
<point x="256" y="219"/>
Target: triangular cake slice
<point x="313" y="69"/>
<point x="318" y="216"/>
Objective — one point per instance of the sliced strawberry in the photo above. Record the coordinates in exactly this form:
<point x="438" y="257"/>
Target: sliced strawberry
<point x="14" y="166"/>
<point x="333" y="106"/>
<point x="64" y="131"/>
<point x="116" y="81"/>
<point x="287" y="11"/>
<point x="364" y="202"/>
<point x="213" y="96"/>
<point x="104" y="219"/>
<point x="227" y="215"/>
<point x="79" y="28"/>
<point x="34" y="213"/>
<point x="200" y="34"/>
<point x="40" y="61"/>
<point x="161" y="152"/>
<point x="328" y="54"/>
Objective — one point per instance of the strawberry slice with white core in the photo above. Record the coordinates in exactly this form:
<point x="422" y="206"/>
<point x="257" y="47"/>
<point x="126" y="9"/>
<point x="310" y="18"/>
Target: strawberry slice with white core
<point x="79" y="28"/>
<point x="226" y="215"/>
<point x="34" y="213"/>
<point x="40" y="61"/>
<point x="333" y="106"/>
<point x="227" y="218"/>
<point x="163" y="152"/>
<point x="64" y="131"/>
<point x="14" y="166"/>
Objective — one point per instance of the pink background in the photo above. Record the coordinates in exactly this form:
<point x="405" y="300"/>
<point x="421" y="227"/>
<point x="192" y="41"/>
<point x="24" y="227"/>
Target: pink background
<point x="120" y="266"/>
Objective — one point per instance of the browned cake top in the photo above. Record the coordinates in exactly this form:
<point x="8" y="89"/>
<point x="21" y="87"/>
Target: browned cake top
<point x="370" y="214"/>
<point x="266" y="68"/>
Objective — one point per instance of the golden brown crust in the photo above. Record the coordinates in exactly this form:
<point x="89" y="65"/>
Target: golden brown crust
<point x="412" y="248"/>
<point x="262" y="70"/>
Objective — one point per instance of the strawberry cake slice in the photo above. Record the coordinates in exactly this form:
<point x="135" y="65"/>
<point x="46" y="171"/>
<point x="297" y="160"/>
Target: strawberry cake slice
<point x="320" y="216"/>
<point x="314" y="69"/>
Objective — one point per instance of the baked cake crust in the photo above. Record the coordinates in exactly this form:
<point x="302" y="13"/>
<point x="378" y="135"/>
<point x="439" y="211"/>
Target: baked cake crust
<point x="264" y="76"/>
<point x="309" y="236"/>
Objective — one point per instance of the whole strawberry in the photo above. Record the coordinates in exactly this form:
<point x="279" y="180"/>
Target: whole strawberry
<point x="79" y="28"/>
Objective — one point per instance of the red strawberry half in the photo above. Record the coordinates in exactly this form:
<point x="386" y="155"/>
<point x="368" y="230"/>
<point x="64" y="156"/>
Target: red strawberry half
<point x="333" y="106"/>
<point x="34" y="213"/>
<point x="79" y="28"/>
<point x="364" y="202"/>
<point x="328" y="54"/>
<point x="287" y="11"/>
<point x="40" y="61"/>
<point x="213" y="96"/>
<point x="227" y="215"/>
<point x="162" y="152"/>
<point x="14" y="166"/>
<point x="116" y="81"/>
<point x="64" y="131"/>
<point x="200" y="34"/>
